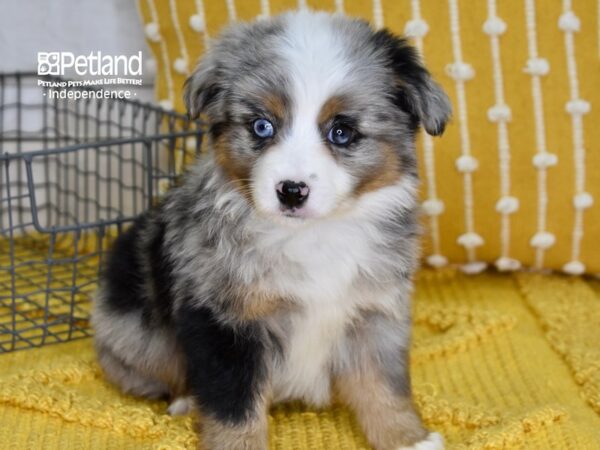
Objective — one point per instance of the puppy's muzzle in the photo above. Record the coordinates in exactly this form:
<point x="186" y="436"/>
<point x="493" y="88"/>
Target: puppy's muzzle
<point x="292" y="194"/>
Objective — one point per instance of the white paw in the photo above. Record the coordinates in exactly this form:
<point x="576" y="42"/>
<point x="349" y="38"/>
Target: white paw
<point x="180" y="406"/>
<point x="434" y="441"/>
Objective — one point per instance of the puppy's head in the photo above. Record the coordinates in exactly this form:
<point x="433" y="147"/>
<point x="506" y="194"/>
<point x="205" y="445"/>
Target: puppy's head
<point x="309" y="112"/>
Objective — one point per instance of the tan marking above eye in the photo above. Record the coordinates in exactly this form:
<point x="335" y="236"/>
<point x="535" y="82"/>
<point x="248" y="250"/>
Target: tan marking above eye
<point x="331" y="108"/>
<point x="276" y="104"/>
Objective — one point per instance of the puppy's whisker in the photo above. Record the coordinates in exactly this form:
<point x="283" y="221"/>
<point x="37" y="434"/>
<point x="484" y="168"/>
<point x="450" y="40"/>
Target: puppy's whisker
<point x="238" y="183"/>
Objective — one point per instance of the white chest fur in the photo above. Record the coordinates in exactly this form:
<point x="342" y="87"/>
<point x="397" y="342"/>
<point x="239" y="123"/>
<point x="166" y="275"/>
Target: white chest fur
<point x="322" y="267"/>
<point x="305" y="372"/>
<point x="328" y="263"/>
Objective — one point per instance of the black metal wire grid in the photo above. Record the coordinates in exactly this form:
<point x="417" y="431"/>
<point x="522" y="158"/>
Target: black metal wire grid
<point x="73" y="173"/>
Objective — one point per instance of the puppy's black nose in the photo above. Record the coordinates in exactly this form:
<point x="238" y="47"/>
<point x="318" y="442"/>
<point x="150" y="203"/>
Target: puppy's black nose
<point x="292" y="194"/>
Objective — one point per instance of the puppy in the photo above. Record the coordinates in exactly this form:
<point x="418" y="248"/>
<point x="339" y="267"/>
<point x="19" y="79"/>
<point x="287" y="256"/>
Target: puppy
<point x="281" y="268"/>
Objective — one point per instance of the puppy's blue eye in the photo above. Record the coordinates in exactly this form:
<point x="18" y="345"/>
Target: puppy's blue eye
<point x="263" y="128"/>
<point x="340" y="135"/>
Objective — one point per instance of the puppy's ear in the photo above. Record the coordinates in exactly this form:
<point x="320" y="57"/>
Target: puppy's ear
<point x="415" y="91"/>
<point x="203" y="88"/>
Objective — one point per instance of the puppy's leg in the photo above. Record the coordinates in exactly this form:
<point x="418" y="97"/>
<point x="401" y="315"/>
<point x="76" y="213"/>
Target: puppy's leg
<point x="227" y="377"/>
<point x="130" y="380"/>
<point x="376" y="385"/>
<point x="249" y="434"/>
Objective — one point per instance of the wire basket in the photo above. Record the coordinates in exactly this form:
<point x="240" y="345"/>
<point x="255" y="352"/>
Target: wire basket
<point x="72" y="174"/>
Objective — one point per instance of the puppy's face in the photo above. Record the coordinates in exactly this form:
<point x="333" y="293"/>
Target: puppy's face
<point x="309" y="112"/>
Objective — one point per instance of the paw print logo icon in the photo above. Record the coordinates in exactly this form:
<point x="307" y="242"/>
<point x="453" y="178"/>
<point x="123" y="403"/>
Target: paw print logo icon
<point x="48" y="63"/>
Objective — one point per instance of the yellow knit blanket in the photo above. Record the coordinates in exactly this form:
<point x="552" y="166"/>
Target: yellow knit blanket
<point x="498" y="362"/>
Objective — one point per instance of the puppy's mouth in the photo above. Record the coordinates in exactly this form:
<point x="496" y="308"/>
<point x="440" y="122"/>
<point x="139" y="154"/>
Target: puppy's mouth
<point x="295" y="213"/>
<point x="286" y="216"/>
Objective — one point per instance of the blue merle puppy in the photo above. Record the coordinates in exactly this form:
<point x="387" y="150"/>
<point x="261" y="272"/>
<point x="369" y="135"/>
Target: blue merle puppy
<point x="281" y="268"/>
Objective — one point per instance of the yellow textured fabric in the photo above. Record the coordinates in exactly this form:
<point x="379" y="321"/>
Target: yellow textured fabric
<point x="525" y="43"/>
<point x="498" y="362"/>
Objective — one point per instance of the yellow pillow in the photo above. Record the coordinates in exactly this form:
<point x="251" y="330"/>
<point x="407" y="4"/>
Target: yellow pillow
<point x="514" y="181"/>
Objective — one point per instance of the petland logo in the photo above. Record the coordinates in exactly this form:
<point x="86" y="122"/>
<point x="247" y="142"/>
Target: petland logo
<point x="94" y="64"/>
<point x="96" y="72"/>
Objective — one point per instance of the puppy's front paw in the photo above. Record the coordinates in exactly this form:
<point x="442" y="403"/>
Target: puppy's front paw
<point x="434" y="441"/>
<point x="180" y="406"/>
